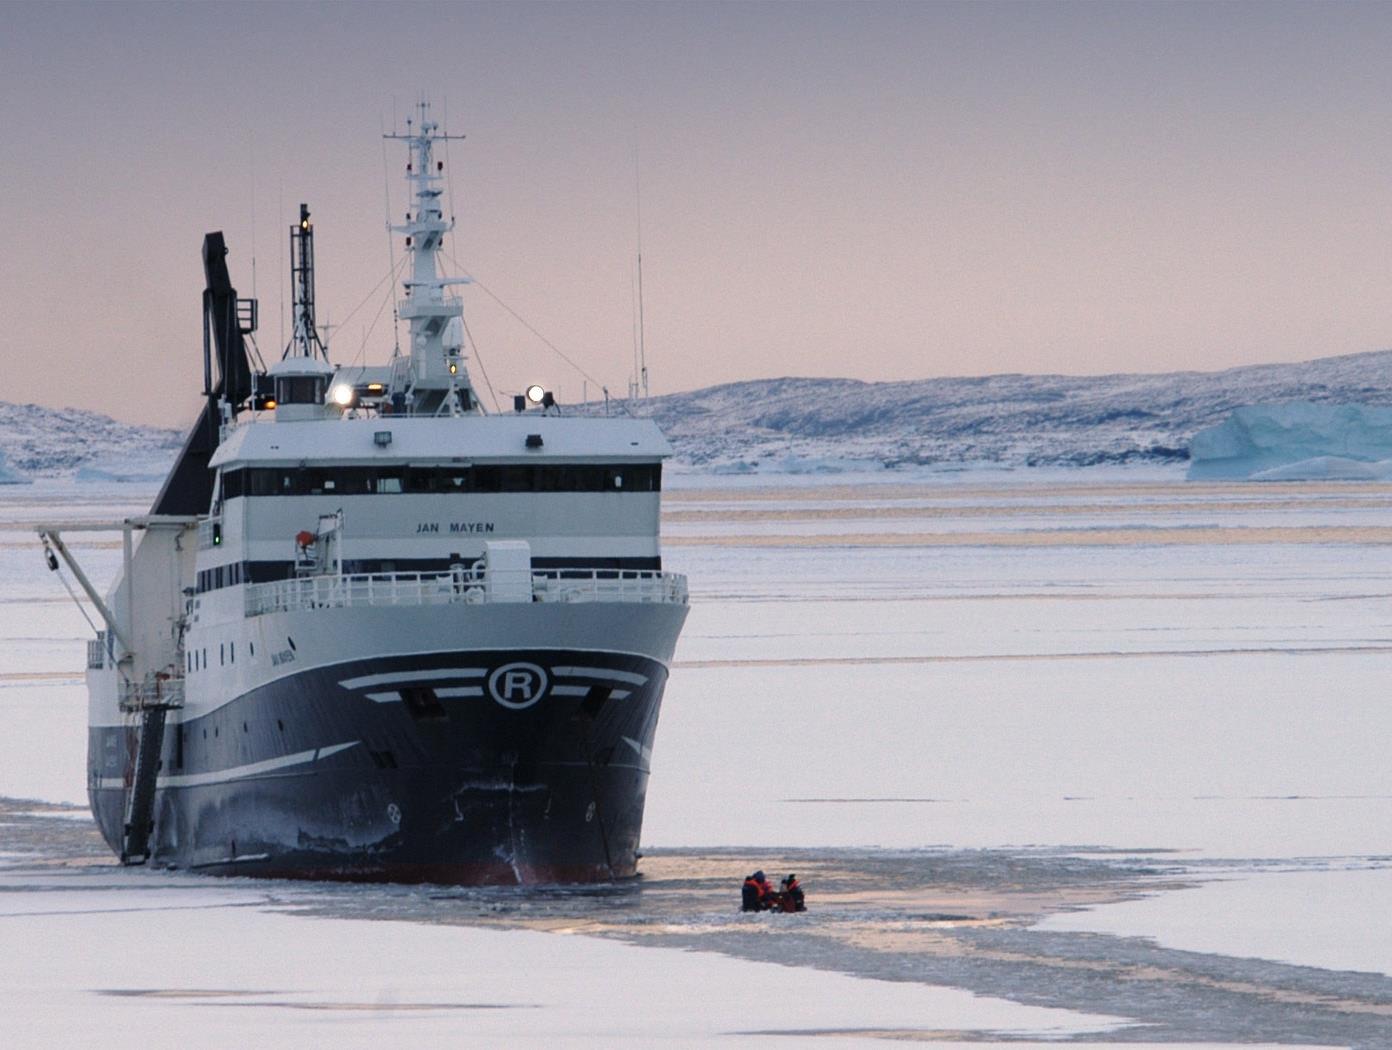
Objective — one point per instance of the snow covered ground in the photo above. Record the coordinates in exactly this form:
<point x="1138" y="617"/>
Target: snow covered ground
<point x="1097" y="660"/>
<point x="193" y="964"/>
<point x="1333" y="916"/>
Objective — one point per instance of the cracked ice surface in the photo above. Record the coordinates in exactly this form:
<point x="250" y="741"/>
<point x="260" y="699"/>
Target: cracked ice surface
<point x="1040" y="666"/>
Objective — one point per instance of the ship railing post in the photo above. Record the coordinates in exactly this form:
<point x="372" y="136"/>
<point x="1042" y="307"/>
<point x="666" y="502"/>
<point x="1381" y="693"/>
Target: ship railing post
<point x="127" y="554"/>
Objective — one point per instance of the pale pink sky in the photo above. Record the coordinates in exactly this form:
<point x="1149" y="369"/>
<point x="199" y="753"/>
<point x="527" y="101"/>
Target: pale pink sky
<point x="879" y="191"/>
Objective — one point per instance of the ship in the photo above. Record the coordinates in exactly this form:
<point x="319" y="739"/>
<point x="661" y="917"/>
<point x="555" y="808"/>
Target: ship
<point x="371" y="631"/>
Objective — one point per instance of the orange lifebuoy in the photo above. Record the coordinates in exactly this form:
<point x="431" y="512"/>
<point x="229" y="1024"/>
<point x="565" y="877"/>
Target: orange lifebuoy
<point x="304" y="538"/>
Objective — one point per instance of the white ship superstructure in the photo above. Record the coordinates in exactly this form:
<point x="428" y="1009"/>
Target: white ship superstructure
<point x="370" y="631"/>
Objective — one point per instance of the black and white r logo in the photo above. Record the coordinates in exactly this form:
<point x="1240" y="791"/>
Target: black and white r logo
<point x="517" y="685"/>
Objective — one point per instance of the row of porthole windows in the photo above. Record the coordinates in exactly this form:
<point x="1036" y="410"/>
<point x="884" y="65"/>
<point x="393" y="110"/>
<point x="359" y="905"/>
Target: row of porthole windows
<point x="180" y="740"/>
<point x="197" y="659"/>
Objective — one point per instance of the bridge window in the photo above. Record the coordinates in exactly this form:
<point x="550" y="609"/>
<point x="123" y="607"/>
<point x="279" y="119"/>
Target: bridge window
<point x="491" y="478"/>
<point x="300" y="390"/>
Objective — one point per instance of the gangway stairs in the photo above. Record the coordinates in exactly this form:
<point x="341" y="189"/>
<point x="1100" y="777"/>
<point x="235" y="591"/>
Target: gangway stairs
<point x="151" y="701"/>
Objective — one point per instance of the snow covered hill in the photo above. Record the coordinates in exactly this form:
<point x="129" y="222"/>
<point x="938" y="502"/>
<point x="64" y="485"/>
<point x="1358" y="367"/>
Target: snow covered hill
<point x="1006" y="419"/>
<point x="37" y="441"/>
<point x="799" y="424"/>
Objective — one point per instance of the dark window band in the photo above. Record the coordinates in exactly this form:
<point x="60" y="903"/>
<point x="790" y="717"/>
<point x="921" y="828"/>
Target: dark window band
<point x="392" y="481"/>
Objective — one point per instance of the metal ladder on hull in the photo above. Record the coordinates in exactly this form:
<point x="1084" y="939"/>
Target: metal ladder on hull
<point x="140" y="803"/>
<point x="152" y="701"/>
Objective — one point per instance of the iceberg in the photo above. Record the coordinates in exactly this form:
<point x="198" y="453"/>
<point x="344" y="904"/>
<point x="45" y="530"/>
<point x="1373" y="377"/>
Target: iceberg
<point x="10" y="476"/>
<point x="1328" y="468"/>
<point x="1294" y="442"/>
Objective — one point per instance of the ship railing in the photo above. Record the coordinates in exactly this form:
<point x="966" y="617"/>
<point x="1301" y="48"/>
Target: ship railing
<point x="159" y="690"/>
<point x="609" y="585"/>
<point x="465" y="586"/>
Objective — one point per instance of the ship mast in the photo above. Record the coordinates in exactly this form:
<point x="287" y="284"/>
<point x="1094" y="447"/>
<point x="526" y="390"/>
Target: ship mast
<point x="438" y="381"/>
<point x="304" y="337"/>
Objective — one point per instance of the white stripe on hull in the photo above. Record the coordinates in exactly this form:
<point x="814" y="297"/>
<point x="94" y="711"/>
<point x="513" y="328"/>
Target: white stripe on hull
<point x="392" y="678"/>
<point x="601" y="672"/>
<point x="251" y="769"/>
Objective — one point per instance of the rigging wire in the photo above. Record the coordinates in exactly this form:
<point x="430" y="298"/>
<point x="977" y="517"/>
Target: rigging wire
<point x="449" y="167"/>
<point x="390" y="297"/>
<point x="640" y="359"/>
<point x="386" y="277"/>
<point x="449" y="189"/>
<point x="522" y="321"/>
<point x="251" y="149"/>
<point x="482" y="371"/>
<point x="76" y="600"/>
<point x="280" y="210"/>
<point x="257" y="359"/>
<point x="391" y="248"/>
<point x="633" y="308"/>
<point x="391" y="290"/>
<point x="57" y="571"/>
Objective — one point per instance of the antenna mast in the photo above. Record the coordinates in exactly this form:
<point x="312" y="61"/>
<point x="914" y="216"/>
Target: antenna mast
<point x="642" y="377"/>
<point x="642" y="349"/>
<point x="304" y="337"/>
<point x="438" y="381"/>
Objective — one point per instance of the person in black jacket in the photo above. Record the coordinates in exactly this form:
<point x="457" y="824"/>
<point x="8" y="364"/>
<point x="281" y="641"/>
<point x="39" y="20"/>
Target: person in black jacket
<point x="756" y="894"/>
<point x="790" y="896"/>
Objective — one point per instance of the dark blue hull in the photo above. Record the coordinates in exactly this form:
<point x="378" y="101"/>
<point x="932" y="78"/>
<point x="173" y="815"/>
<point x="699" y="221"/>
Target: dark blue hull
<point x="464" y="767"/>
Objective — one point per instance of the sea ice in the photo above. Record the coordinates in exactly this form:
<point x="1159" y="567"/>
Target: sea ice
<point x="1148" y="682"/>
<point x="1333" y="917"/>
<point x="148" y="967"/>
